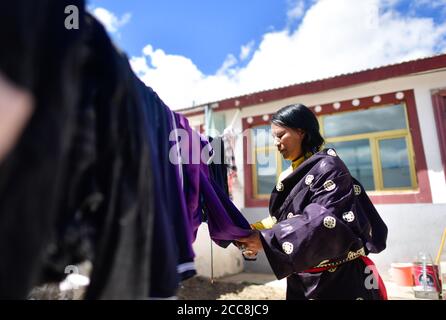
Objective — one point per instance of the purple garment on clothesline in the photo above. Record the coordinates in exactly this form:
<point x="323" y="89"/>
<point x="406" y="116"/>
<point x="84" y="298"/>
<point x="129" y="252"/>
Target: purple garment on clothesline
<point x="225" y="221"/>
<point x="182" y="221"/>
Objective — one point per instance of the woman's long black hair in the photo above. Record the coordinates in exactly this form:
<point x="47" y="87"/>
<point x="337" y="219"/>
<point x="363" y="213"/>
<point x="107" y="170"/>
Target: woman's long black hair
<point x="298" y="116"/>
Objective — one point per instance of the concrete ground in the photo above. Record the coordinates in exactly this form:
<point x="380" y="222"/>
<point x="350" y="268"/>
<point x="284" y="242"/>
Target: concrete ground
<point x="394" y="291"/>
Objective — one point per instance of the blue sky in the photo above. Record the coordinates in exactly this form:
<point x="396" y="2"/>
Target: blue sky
<point x="200" y="51"/>
<point x="203" y="30"/>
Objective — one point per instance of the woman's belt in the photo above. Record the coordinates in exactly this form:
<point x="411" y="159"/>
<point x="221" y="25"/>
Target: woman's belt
<point x="327" y="265"/>
<point x="352" y="255"/>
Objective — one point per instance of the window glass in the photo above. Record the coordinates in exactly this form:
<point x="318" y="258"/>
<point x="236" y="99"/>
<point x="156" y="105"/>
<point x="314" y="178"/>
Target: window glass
<point x="266" y="170"/>
<point x="395" y="163"/>
<point x="262" y="136"/>
<point x="365" y="121"/>
<point x="357" y="157"/>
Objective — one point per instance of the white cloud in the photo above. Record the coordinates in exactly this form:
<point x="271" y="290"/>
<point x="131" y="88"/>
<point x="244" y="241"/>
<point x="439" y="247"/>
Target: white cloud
<point x="334" y="37"/>
<point x="246" y="50"/>
<point x="229" y="62"/>
<point x="296" y="11"/>
<point x="111" y="22"/>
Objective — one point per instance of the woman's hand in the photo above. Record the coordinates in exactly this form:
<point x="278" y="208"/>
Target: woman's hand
<point x="251" y="244"/>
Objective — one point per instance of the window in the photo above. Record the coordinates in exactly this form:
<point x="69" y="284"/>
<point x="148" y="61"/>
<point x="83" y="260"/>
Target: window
<point x="268" y="163"/>
<point x="375" y="144"/>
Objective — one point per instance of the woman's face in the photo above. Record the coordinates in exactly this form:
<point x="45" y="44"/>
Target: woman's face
<point x="288" y="141"/>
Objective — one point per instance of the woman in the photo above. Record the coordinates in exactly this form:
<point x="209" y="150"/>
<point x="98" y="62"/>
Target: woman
<point x="324" y="222"/>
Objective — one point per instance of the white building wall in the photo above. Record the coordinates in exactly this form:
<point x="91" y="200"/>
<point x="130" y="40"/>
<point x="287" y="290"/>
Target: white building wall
<point x="413" y="228"/>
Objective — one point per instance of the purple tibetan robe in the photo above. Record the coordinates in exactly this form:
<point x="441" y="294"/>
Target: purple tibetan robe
<point x="326" y="225"/>
<point x="226" y="223"/>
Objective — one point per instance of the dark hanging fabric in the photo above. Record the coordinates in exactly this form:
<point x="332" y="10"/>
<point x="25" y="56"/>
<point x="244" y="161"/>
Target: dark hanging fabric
<point x="90" y="177"/>
<point x="75" y="238"/>
<point x="218" y="169"/>
<point x="164" y="277"/>
<point x="78" y="184"/>
<point x="41" y="56"/>
<point x="123" y="223"/>
<point x="182" y="225"/>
